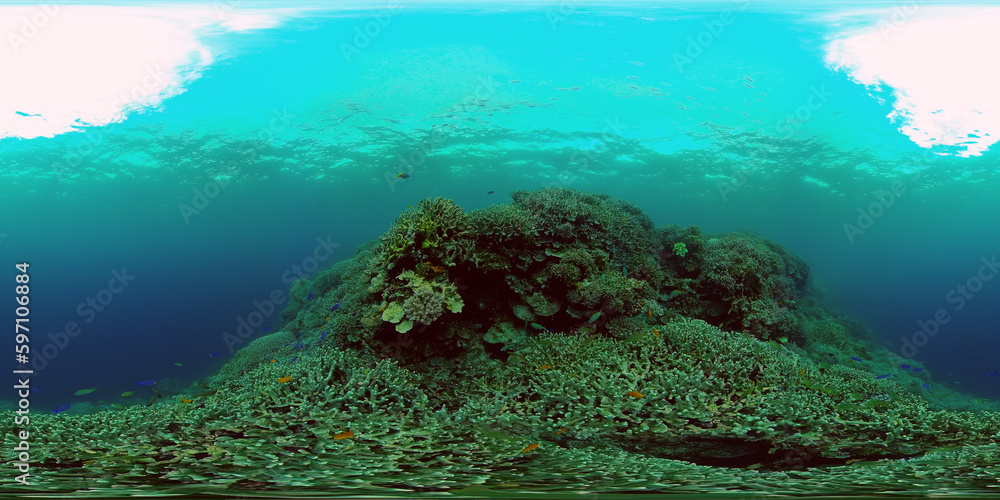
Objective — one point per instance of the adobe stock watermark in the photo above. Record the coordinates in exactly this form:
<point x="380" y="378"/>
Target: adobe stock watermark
<point x="958" y="297"/>
<point x="712" y="29"/>
<point x="558" y="14"/>
<point x="900" y="15"/>
<point x="88" y="309"/>
<point x="151" y="82"/>
<point x="582" y="158"/>
<point x="372" y="29"/>
<point x="203" y="196"/>
<point x="31" y="25"/>
<point x="485" y="88"/>
<point x="264" y="309"/>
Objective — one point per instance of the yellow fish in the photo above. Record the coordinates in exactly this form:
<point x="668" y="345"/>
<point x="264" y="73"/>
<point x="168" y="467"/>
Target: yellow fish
<point x="560" y="431"/>
<point x="185" y="401"/>
<point x="635" y="394"/>
<point x="127" y="394"/>
<point x="284" y="380"/>
<point x="544" y="367"/>
<point x="83" y="392"/>
<point x="530" y="447"/>
<point x="650" y="311"/>
<point x="274" y="361"/>
<point x="657" y="332"/>
<point x="344" y="435"/>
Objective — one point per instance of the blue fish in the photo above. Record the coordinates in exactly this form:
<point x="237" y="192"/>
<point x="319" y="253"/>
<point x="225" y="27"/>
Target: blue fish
<point x="882" y="377"/>
<point x="856" y="358"/>
<point x="905" y="366"/>
<point x="321" y="337"/>
<point x="295" y="359"/>
<point x="926" y="386"/>
<point x="992" y="374"/>
<point x="353" y="313"/>
<point x="335" y="306"/>
<point x="36" y="390"/>
<point x="299" y="345"/>
<point x="147" y="383"/>
<point x="310" y="296"/>
<point x="918" y="369"/>
<point x="212" y="354"/>
<point x="62" y="408"/>
<point x="266" y="329"/>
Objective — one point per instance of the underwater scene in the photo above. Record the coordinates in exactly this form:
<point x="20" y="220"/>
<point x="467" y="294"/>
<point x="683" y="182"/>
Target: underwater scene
<point x="450" y="249"/>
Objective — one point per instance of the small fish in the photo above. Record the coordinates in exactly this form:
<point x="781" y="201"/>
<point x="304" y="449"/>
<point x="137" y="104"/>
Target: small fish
<point x="402" y="175"/>
<point x="635" y="394"/>
<point x="905" y="366"/>
<point x="560" y="431"/>
<point x="335" y="306"/>
<point x="992" y="374"/>
<point x="146" y="383"/>
<point x="748" y="78"/>
<point x="725" y="108"/>
<point x="36" y="391"/>
<point x="630" y="77"/>
<point x="746" y="102"/>
<point x="295" y="359"/>
<point x="802" y="371"/>
<point x="299" y="345"/>
<point x="594" y="317"/>
<point x="560" y="88"/>
<point x="274" y="360"/>
<point x="681" y="107"/>
<point x="323" y="336"/>
<point x="62" y="408"/>
<point x="83" y="392"/>
<point x="266" y="329"/>
<point x="515" y="81"/>
<point x="633" y="87"/>
<point x="925" y="386"/>
<point x="127" y="394"/>
<point x="710" y="88"/>
<point x="763" y="94"/>
<point x="544" y="367"/>
<point x="156" y="392"/>
<point x="117" y="406"/>
<point x="574" y="88"/>
<point x="745" y="115"/>
<point x="150" y="403"/>
<point x="657" y="333"/>
<point x="917" y="370"/>
<point x="178" y="364"/>
<point x="692" y="98"/>
<point x="490" y="192"/>
<point x="854" y="358"/>
<point x="537" y="326"/>
<point x="185" y="401"/>
<point x="344" y="435"/>
<point x="212" y="354"/>
<point x="748" y="85"/>
<point x="310" y="296"/>
<point x="284" y="380"/>
<point x="530" y="447"/>
<point x="880" y="377"/>
<point x="207" y="393"/>
<point x="637" y="63"/>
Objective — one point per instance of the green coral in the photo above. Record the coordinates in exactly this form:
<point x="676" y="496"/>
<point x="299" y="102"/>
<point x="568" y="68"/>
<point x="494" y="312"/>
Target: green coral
<point x="680" y="249"/>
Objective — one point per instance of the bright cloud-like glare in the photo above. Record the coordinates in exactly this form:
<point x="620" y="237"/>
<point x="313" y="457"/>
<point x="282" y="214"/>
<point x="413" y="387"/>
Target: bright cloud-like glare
<point x="942" y="68"/>
<point x="65" y="66"/>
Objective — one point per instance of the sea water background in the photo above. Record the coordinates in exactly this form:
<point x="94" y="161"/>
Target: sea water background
<point x="297" y="124"/>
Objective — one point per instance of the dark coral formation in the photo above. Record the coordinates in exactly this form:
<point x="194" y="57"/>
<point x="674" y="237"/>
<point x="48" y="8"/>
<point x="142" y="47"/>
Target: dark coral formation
<point x="566" y="320"/>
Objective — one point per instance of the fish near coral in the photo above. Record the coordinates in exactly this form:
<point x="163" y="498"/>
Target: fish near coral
<point x="635" y="394"/>
<point x="284" y="380"/>
<point x="530" y="447"/>
<point x="344" y="435"/>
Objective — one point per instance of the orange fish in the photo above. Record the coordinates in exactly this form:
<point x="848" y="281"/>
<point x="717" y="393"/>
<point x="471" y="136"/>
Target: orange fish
<point x="530" y="447"/>
<point x="803" y="371"/>
<point x="344" y="435"/>
<point x="284" y="380"/>
<point x="185" y="401"/>
<point x="560" y="431"/>
<point x="650" y="311"/>
<point x="635" y="394"/>
<point x="274" y="361"/>
<point x="544" y="367"/>
<point x="657" y="332"/>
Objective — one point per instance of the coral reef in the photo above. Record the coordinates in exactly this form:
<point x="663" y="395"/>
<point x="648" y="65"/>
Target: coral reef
<point x="559" y="340"/>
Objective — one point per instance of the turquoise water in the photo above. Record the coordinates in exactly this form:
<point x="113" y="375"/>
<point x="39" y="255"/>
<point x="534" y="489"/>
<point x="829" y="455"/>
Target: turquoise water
<point x="167" y="168"/>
